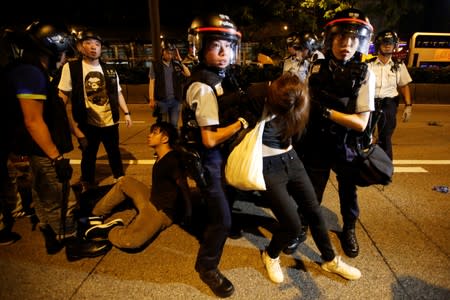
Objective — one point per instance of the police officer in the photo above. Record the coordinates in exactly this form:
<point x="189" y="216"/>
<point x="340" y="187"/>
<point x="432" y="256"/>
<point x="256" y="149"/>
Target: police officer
<point x="302" y="49"/>
<point x="47" y="138"/>
<point x="392" y="77"/>
<point x="210" y="92"/>
<point x="342" y="96"/>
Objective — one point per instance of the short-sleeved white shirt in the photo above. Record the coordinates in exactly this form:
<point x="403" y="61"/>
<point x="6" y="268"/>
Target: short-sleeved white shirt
<point x="366" y="95"/>
<point x="207" y="110"/>
<point x="99" y="113"/>
<point x="296" y="66"/>
<point x="387" y="79"/>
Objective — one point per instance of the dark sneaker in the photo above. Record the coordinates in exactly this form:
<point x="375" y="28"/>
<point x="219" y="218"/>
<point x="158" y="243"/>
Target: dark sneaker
<point x="52" y="244"/>
<point x="78" y="248"/>
<point x="218" y="283"/>
<point x="349" y="243"/>
<point x="293" y="244"/>
<point x="8" y="237"/>
<point x="101" y="231"/>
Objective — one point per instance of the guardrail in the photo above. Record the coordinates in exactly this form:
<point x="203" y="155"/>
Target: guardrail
<point x="421" y="93"/>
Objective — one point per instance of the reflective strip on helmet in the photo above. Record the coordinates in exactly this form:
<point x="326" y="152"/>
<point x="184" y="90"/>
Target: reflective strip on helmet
<point x="225" y="30"/>
<point x="353" y="20"/>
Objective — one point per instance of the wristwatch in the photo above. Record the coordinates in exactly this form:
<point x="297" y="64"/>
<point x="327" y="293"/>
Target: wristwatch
<point x="326" y="113"/>
<point x="127" y="114"/>
<point x="243" y="122"/>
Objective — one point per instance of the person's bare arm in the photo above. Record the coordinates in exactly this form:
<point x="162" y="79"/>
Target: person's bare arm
<point x="356" y="122"/>
<point x="124" y="107"/>
<point x="213" y="136"/>
<point x="33" y="112"/>
<point x="151" y="93"/>
<point x="65" y="96"/>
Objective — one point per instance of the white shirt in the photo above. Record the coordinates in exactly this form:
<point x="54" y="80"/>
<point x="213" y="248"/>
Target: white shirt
<point x="366" y="95"/>
<point x="95" y="93"/>
<point x="296" y="66"/>
<point x="388" y="80"/>
<point x="207" y="110"/>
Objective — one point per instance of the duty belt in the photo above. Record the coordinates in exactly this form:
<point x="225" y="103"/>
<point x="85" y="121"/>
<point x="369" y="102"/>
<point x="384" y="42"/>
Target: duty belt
<point x="380" y="102"/>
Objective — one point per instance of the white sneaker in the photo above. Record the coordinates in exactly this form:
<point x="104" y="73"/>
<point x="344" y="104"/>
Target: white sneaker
<point x="273" y="267"/>
<point x="339" y="267"/>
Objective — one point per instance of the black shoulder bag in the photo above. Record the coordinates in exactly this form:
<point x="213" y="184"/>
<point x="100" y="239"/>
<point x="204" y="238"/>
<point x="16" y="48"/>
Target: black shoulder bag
<point x="370" y="165"/>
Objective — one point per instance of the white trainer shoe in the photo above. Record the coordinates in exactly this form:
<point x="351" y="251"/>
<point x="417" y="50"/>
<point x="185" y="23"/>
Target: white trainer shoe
<point x="339" y="267"/>
<point x="273" y="267"/>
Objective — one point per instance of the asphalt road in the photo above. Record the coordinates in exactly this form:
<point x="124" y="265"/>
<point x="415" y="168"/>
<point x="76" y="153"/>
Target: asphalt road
<point x="403" y="232"/>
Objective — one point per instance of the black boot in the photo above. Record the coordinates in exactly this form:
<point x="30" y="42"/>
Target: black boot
<point x="218" y="283"/>
<point x="52" y="244"/>
<point x="77" y="248"/>
<point x="349" y="242"/>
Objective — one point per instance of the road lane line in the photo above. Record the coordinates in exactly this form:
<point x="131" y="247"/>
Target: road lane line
<point x="409" y="170"/>
<point x="422" y="162"/>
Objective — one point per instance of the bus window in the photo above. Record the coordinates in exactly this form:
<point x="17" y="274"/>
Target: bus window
<point x="429" y="49"/>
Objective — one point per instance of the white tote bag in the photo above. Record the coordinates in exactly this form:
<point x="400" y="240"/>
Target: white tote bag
<point x="244" y="167"/>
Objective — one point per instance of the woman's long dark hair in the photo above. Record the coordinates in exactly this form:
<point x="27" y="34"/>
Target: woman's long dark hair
<point x="288" y="99"/>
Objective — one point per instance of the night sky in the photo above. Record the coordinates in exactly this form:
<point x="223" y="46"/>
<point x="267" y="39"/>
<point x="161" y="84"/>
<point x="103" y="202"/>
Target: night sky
<point x="115" y="17"/>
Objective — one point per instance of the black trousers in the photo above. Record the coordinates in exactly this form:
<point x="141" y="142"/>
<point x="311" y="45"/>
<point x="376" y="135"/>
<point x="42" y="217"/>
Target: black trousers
<point x="109" y="136"/>
<point x="387" y="123"/>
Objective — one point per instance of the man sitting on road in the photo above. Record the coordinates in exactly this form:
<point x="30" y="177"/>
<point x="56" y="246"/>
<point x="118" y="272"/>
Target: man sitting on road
<point x="167" y="201"/>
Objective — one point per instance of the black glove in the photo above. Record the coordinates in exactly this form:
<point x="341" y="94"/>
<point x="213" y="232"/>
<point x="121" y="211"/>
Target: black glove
<point x="83" y="143"/>
<point x="63" y="168"/>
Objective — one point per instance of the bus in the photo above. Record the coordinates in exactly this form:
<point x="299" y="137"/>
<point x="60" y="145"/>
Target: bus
<point x="429" y="49"/>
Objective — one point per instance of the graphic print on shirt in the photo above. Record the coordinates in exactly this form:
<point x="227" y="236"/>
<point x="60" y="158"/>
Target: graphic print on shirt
<point x="95" y="88"/>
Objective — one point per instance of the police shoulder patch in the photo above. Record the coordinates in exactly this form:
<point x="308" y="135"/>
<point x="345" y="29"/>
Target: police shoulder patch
<point x="219" y="89"/>
<point x="315" y="69"/>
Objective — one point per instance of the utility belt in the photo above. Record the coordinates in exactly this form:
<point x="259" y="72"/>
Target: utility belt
<point x="381" y="102"/>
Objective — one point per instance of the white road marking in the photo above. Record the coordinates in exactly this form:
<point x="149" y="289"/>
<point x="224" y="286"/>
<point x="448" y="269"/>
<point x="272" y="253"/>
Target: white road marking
<point x="409" y="170"/>
<point x="421" y="162"/>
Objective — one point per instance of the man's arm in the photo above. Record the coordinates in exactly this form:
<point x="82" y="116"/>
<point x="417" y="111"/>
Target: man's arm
<point x="185" y="70"/>
<point x="125" y="110"/>
<point x="151" y="93"/>
<point x="65" y="96"/>
<point x="406" y="93"/>
<point x="33" y="112"/>
<point x="213" y="136"/>
<point x="404" y="90"/>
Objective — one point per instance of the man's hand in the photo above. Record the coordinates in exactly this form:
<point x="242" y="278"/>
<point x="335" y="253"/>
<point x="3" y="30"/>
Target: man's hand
<point x="63" y="168"/>
<point x="407" y="113"/>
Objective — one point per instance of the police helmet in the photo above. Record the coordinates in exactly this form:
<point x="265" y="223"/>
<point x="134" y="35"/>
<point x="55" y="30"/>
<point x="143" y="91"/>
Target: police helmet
<point x="88" y="34"/>
<point x="211" y="27"/>
<point x="293" y="40"/>
<point x="309" y="41"/>
<point x="350" y="21"/>
<point x="386" y="37"/>
<point x="49" y="39"/>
